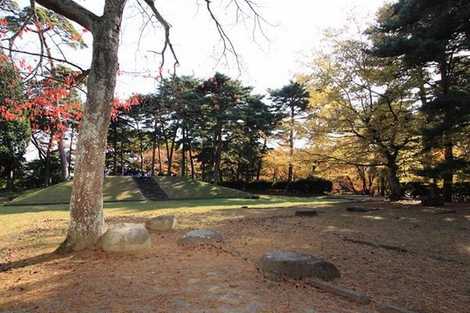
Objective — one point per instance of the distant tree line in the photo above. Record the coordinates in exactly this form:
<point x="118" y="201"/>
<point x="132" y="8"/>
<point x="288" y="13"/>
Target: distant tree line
<point x="385" y="111"/>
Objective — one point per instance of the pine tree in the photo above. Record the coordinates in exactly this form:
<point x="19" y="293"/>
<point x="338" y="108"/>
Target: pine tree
<point x="291" y="99"/>
<point x="434" y="36"/>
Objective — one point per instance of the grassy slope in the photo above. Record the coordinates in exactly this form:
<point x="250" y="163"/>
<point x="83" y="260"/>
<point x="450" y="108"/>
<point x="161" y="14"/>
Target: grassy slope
<point x="180" y="188"/>
<point x="115" y="189"/>
<point x="118" y="188"/>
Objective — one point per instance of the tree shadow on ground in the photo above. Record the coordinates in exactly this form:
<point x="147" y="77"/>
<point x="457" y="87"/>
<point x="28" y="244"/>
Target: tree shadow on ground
<point x="37" y="259"/>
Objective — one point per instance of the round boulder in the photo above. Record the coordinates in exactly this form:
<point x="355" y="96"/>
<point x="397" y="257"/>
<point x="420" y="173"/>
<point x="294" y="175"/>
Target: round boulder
<point x="161" y="223"/>
<point x="277" y="265"/>
<point x="200" y="237"/>
<point x="126" y="237"/>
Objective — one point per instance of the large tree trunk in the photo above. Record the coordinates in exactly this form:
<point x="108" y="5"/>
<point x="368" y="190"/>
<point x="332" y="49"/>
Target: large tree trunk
<point x="86" y="204"/>
<point x="394" y="182"/>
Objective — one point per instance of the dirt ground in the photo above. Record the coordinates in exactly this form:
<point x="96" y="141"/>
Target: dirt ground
<point x="403" y="254"/>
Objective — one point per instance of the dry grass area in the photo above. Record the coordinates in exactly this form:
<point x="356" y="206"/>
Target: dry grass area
<point x="402" y="254"/>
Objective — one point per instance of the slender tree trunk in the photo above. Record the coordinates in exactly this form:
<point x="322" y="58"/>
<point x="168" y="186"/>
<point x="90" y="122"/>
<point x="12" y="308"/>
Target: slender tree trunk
<point x="63" y="159"/>
<point x="47" y="164"/>
<point x="154" y="145"/>
<point x="218" y="156"/>
<point x="290" y="173"/>
<point x="115" y="147"/>
<point x="448" y="177"/>
<point x="160" y="166"/>
<point x="121" y="152"/>
<point x="170" y="153"/>
<point x="351" y="184"/>
<point x="183" y="154"/>
<point x="448" y="150"/>
<point x="141" y="149"/>
<point x="167" y="146"/>
<point x="10" y="178"/>
<point x="382" y="185"/>
<point x="86" y="204"/>
<point x="191" y="160"/>
<point x="72" y="134"/>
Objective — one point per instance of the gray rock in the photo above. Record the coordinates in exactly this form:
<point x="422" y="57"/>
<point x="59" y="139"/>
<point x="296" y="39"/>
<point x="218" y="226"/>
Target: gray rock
<point x="200" y="237"/>
<point x="126" y="237"/>
<point x="351" y="295"/>
<point x="277" y="265"/>
<point x="388" y="308"/>
<point x="306" y="213"/>
<point x="361" y="209"/>
<point x="161" y="223"/>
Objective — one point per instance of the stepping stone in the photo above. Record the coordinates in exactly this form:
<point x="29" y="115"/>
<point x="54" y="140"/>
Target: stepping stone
<point x="306" y="213"/>
<point x="161" y="223"/>
<point x="126" y="237"/>
<point x="351" y="295"/>
<point x="200" y="237"/>
<point x="277" y="265"/>
<point x="444" y="211"/>
<point x="388" y="308"/>
<point x="361" y="209"/>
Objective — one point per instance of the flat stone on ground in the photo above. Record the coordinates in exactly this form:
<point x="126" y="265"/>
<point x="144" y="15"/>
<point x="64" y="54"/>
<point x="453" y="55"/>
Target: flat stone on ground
<point x="200" y="237"/>
<point x="161" y="223"/>
<point x="361" y="209"/>
<point x="277" y="265"/>
<point x="306" y="213"/>
<point x="351" y="295"/>
<point x="126" y="237"/>
<point x="388" y="308"/>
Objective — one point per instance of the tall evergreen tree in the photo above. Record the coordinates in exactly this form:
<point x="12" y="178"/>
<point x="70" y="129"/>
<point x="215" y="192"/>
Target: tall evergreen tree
<point x="433" y="35"/>
<point x="291" y="99"/>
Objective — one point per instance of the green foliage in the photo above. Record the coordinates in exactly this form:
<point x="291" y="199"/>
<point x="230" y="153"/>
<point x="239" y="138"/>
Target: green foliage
<point x="305" y="186"/>
<point x="14" y="134"/>
<point x="292" y="97"/>
<point x="217" y="126"/>
<point x="48" y="21"/>
<point x="433" y="36"/>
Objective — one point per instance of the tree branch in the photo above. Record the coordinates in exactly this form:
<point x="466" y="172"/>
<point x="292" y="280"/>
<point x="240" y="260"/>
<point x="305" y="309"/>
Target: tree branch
<point x="166" y="26"/>
<point x="71" y="10"/>
<point x="41" y="55"/>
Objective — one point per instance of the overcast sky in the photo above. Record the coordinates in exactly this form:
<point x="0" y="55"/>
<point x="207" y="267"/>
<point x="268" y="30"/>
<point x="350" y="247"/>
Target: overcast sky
<point x="294" y="31"/>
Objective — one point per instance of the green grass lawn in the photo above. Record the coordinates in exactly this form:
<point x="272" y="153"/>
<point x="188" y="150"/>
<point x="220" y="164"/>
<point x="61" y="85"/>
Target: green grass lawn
<point x="15" y="219"/>
<point x="182" y="188"/>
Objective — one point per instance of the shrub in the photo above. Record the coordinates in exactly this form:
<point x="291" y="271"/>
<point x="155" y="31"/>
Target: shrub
<point x="261" y="185"/>
<point x="306" y="186"/>
<point x="310" y="186"/>
<point x="415" y="189"/>
<point x="461" y="192"/>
